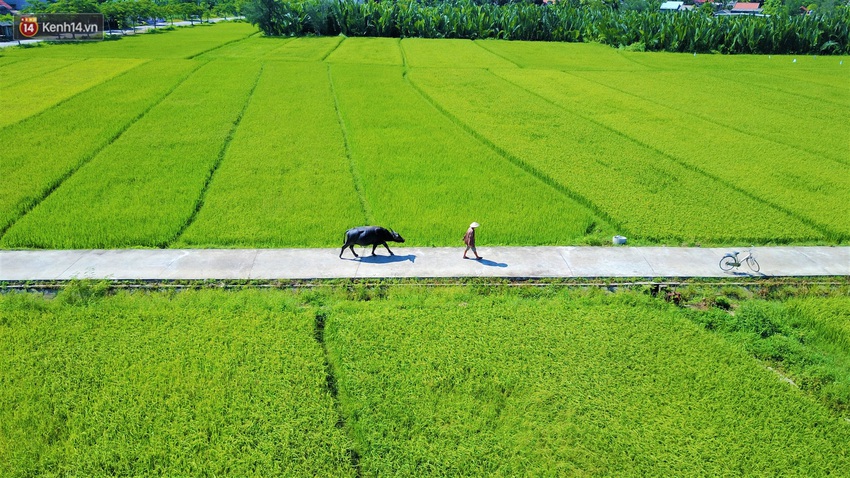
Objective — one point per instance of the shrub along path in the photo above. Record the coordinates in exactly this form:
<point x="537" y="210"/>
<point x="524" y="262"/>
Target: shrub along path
<point x="515" y="262"/>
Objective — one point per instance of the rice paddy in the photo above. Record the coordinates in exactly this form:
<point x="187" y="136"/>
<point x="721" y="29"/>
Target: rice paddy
<point x="216" y="136"/>
<point x="416" y="381"/>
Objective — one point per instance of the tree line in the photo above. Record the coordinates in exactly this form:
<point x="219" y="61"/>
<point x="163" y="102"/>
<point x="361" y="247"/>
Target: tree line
<point x="123" y="14"/>
<point x="611" y="23"/>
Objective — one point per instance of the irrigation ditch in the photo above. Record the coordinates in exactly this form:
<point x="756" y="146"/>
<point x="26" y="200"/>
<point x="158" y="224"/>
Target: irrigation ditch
<point x="330" y="384"/>
<point x="758" y="287"/>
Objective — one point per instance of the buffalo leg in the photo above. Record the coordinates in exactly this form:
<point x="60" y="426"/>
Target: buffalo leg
<point x="388" y="249"/>
<point x="351" y="246"/>
<point x="373" y="248"/>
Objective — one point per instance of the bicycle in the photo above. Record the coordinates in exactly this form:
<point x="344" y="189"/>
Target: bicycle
<point x="731" y="260"/>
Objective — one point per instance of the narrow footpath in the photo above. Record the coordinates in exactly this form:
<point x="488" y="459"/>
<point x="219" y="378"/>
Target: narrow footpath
<point x="413" y="262"/>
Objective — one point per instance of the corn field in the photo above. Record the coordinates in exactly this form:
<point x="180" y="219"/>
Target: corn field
<point x="564" y="21"/>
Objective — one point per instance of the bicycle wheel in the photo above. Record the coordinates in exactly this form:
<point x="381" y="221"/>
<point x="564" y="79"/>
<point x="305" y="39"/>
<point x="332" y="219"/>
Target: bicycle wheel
<point x="727" y="263"/>
<point x="754" y="265"/>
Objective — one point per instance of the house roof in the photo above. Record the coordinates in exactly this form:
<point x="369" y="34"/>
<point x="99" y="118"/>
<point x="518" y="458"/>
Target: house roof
<point x="672" y="5"/>
<point x="746" y="7"/>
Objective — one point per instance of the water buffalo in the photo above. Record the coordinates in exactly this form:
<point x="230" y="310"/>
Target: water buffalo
<point x="369" y="236"/>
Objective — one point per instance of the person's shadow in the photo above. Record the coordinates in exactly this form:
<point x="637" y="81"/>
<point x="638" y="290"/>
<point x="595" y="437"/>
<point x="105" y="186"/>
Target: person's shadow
<point x="489" y="263"/>
<point x="376" y="259"/>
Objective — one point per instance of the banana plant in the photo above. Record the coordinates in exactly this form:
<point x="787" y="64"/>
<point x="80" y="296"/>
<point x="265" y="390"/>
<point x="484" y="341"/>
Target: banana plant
<point x="563" y="21"/>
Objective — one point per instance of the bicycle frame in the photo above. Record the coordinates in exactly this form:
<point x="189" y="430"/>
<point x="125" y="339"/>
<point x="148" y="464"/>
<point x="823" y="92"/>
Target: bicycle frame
<point x="731" y="260"/>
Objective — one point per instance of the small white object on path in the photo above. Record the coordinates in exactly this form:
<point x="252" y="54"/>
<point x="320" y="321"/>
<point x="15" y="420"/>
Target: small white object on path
<point x="414" y="262"/>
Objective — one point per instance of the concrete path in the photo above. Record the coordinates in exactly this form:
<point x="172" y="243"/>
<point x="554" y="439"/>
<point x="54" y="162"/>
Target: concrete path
<point x="512" y="262"/>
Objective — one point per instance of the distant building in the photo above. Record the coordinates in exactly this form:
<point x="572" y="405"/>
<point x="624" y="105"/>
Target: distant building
<point x="6" y="9"/>
<point x="21" y="4"/>
<point x="672" y="6"/>
<point x="6" y="31"/>
<point x="746" y="8"/>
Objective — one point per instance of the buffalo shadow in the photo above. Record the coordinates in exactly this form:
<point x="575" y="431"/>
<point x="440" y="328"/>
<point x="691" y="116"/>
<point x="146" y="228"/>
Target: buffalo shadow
<point x="378" y="259"/>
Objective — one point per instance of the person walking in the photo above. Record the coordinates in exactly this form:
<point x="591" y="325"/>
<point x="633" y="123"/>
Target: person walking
<point x="469" y="240"/>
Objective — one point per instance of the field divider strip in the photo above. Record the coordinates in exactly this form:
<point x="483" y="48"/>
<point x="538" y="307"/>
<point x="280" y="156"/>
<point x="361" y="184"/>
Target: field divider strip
<point x="321" y="317"/>
<point x="520" y="163"/>
<point x="85" y="160"/>
<point x="192" y="57"/>
<point x="805" y="220"/>
<point x="358" y="182"/>
<point x="703" y="117"/>
<point x="222" y="152"/>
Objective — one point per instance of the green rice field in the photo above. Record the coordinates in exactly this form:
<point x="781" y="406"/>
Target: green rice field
<point x="402" y="380"/>
<point x="216" y="136"/>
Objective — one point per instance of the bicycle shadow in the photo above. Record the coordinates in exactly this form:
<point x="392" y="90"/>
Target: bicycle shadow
<point x="745" y="274"/>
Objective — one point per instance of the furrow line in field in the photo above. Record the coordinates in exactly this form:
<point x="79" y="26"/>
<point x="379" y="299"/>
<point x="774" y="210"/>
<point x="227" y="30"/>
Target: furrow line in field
<point x="367" y="51"/>
<point x="404" y="62"/>
<point x="69" y="98"/>
<point x="451" y="52"/>
<point x="655" y="198"/>
<point x="481" y="45"/>
<point x="79" y="93"/>
<point x="54" y="185"/>
<point x="303" y="49"/>
<point x="333" y="389"/>
<point x="428" y="178"/>
<point x="29" y="75"/>
<point x="355" y="176"/>
<point x="716" y="120"/>
<point x="192" y="57"/>
<point x="821" y="228"/>
<point x="224" y="147"/>
<point x="141" y="188"/>
<point x="817" y="99"/>
<point x="284" y="180"/>
<point x="519" y="162"/>
<point x="783" y="75"/>
<point x="47" y="106"/>
<point x="328" y="53"/>
<point x="5" y="60"/>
